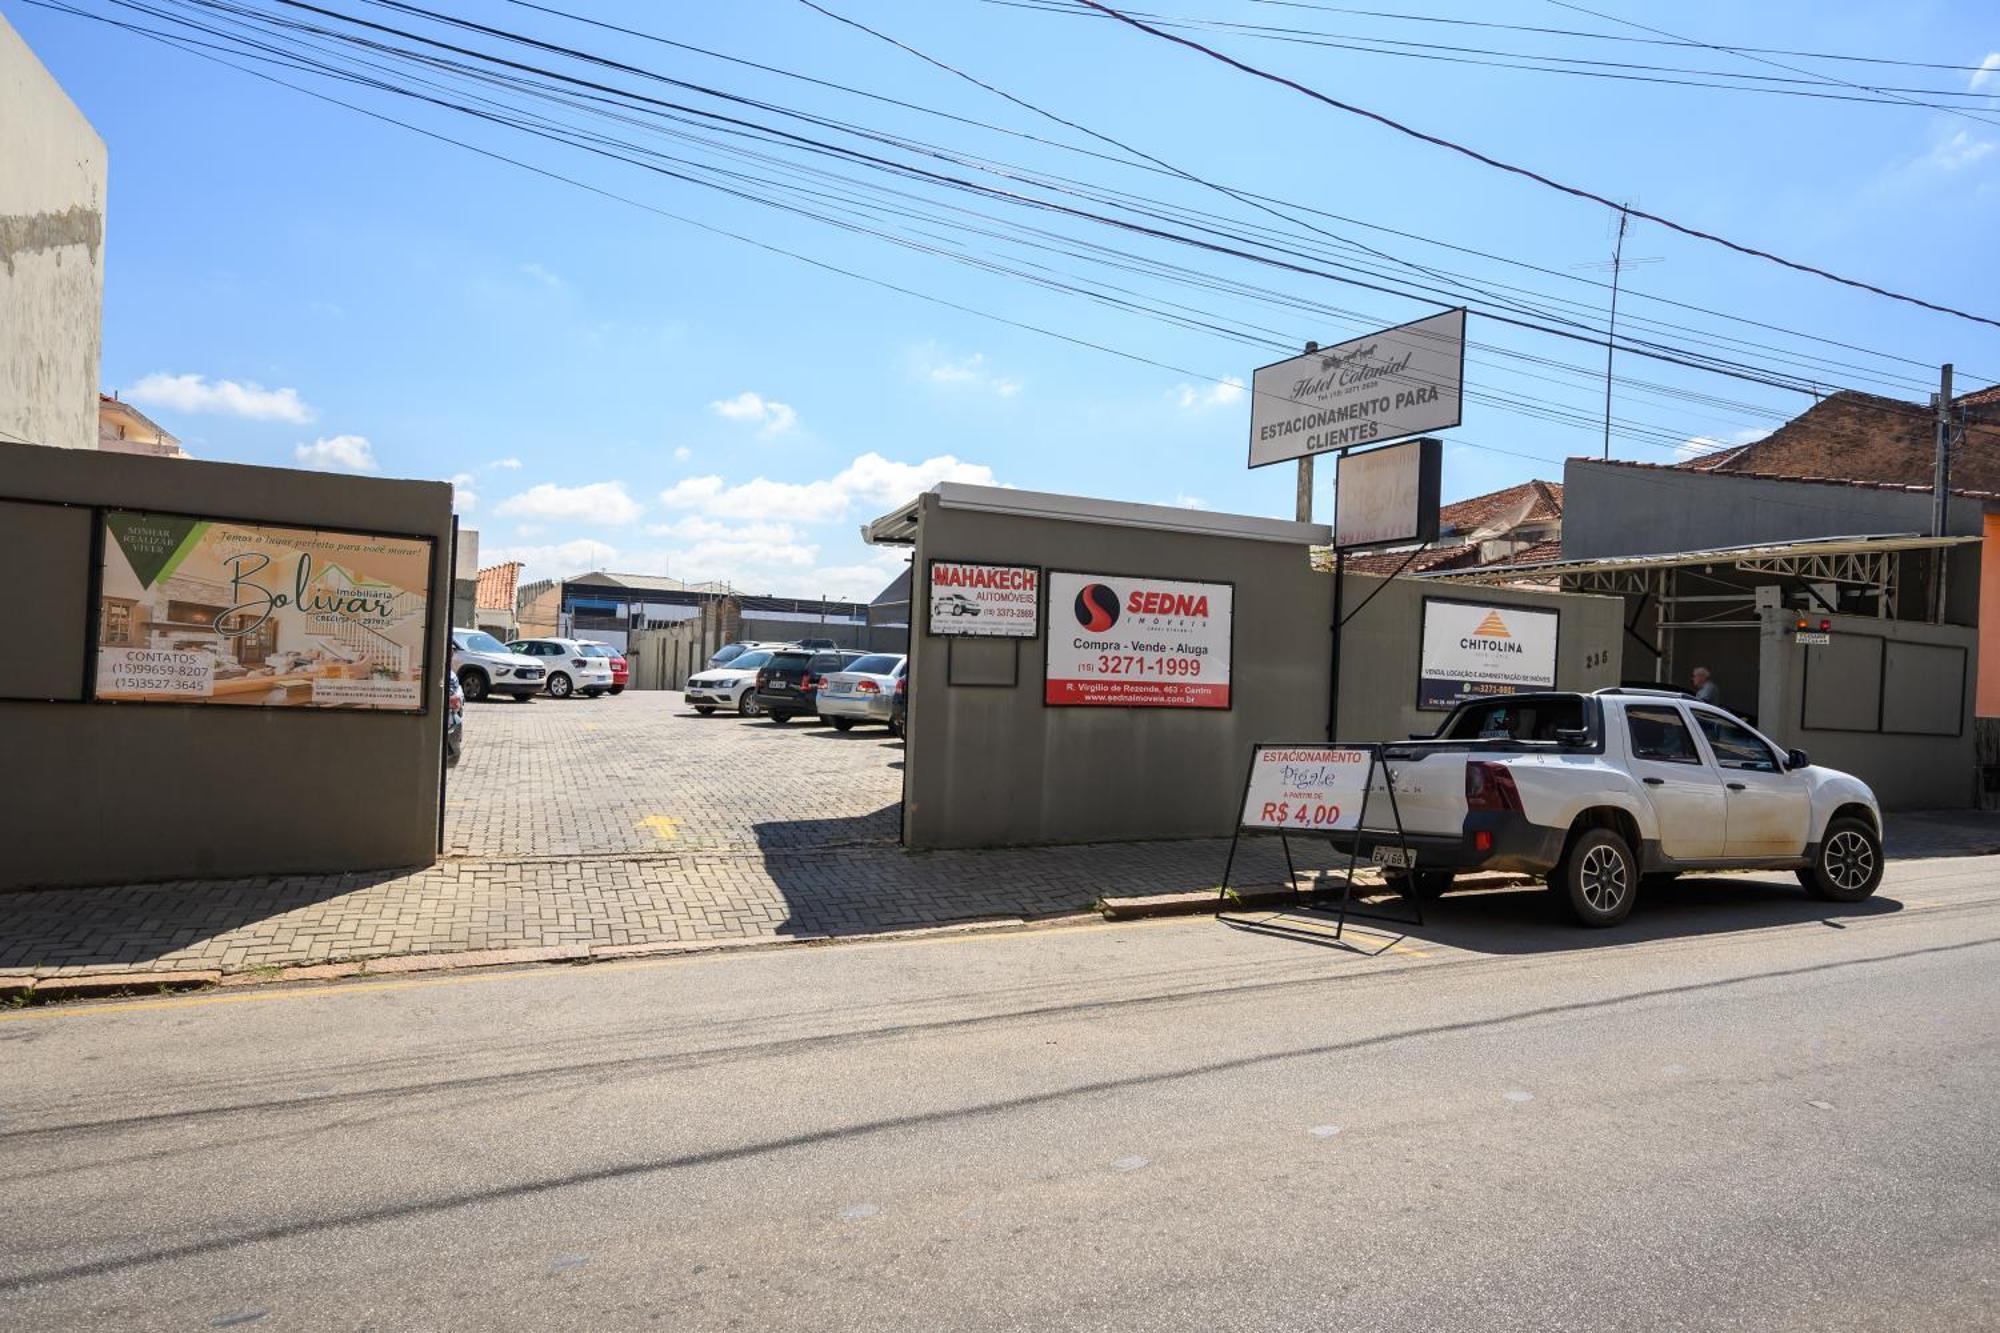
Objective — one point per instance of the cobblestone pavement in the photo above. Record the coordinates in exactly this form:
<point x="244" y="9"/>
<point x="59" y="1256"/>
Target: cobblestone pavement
<point x="592" y="826"/>
<point x="608" y="823"/>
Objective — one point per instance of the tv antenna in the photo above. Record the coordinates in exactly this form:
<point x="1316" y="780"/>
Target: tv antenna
<point x="1616" y="266"/>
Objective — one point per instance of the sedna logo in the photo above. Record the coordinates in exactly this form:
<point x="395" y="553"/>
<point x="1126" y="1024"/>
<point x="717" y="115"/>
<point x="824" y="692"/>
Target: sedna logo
<point x="1096" y="607"/>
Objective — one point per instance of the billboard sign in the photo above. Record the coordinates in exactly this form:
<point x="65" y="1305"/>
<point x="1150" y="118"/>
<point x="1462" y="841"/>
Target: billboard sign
<point x="1310" y="788"/>
<point x="1389" y="495"/>
<point x="1401" y="381"/>
<point x="994" y="601"/>
<point x="196" y="610"/>
<point x="1474" y="651"/>
<point x="1119" y="642"/>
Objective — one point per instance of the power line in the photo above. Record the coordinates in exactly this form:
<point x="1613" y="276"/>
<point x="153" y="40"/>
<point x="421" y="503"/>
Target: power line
<point x="1530" y="174"/>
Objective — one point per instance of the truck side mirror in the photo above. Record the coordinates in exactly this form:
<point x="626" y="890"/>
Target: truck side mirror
<point x="1797" y="759"/>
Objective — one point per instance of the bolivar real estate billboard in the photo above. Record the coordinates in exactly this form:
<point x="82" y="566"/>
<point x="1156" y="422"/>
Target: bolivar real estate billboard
<point x="1473" y="650"/>
<point x="1401" y="381"/>
<point x="1123" y="642"/>
<point x="196" y="610"/>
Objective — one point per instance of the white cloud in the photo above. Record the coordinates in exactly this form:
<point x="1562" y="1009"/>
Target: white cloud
<point x="510" y="464"/>
<point x="1961" y="150"/>
<point x="969" y="372"/>
<point x="604" y="502"/>
<point x="775" y="417"/>
<point x="556" y="560"/>
<point x="463" y="498"/>
<point x="549" y="280"/>
<point x="1186" y="501"/>
<point x="682" y="454"/>
<point x="194" y="393"/>
<point x="870" y="480"/>
<point x="1222" y="393"/>
<point x="1988" y="72"/>
<point x="338" y="453"/>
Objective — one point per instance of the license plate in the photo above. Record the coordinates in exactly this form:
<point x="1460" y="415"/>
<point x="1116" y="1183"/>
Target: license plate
<point x="1398" y="858"/>
<point x="837" y="687"/>
<point x="779" y="685"/>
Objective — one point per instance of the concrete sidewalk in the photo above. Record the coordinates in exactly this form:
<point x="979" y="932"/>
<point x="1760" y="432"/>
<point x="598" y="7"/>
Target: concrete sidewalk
<point x="608" y="906"/>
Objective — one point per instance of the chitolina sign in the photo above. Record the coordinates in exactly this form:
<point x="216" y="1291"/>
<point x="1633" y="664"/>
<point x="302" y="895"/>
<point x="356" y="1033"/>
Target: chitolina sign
<point x="206" y="611"/>
<point x="989" y="600"/>
<point x="1471" y="651"/>
<point x="1401" y="381"/>
<point x="1138" y="643"/>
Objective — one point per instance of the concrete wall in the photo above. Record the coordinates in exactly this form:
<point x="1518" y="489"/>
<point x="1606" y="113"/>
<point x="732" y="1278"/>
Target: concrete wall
<point x="112" y="793"/>
<point x="1857" y="706"/>
<point x="991" y="764"/>
<point x="1612" y="509"/>
<point x="1383" y="645"/>
<point x="52" y="194"/>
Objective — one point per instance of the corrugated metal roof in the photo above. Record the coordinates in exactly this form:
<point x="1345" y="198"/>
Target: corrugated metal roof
<point x="1721" y="555"/>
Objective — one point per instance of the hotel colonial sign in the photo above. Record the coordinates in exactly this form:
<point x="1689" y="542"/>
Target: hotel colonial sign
<point x="1401" y="381"/>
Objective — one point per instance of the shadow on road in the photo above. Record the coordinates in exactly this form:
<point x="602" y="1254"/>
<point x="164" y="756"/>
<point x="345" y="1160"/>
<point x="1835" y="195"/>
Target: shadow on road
<point x="1530" y="919"/>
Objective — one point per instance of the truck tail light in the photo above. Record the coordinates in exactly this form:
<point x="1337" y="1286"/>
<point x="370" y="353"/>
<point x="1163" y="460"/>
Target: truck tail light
<point x="1490" y="786"/>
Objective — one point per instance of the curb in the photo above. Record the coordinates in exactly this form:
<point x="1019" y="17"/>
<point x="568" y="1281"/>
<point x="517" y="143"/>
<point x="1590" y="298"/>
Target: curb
<point x="1205" y="902"/>
<point x="32" y="990"/>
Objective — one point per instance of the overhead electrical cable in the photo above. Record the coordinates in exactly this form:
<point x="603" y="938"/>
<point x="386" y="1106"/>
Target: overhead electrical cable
<point x="1529" y="173"/>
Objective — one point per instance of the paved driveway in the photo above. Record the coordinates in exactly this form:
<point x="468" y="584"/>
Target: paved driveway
<point x="639" y="774"/>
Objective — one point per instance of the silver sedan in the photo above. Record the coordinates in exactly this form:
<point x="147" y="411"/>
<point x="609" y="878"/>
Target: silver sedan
<point x="865" y="692"/>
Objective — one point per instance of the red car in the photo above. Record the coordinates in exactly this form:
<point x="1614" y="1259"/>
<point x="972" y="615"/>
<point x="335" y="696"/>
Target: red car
<point x="620" y="672"/>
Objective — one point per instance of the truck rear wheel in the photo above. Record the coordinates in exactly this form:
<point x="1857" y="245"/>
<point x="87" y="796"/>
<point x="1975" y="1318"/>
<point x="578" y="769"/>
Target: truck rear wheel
<point x="1598" y="878"/>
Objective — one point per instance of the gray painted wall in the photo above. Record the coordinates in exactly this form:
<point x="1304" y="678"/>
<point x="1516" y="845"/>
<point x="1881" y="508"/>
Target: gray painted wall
<point x="990" y="764"/>
<point x="1610" y="509"/>
<point x="52" y="190"/>
<point x="1841" y="683"/>
<point x="115" y="793"/>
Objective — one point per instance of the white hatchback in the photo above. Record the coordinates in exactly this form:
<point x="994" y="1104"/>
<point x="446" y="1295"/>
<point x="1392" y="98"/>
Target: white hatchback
<point x="732" y="686"/>
<point x="571" y="670"/>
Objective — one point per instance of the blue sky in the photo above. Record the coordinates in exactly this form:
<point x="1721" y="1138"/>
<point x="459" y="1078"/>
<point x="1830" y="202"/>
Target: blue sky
<point x="291" y="283"/>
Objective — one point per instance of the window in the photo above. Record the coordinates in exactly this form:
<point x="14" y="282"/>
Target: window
<point x="1659" y="734"/>
<point x="117" y="622"/>
<point x="745" y="661"/>
<point x="1735" y="746"/>
<point x="1527" y="719"/>
<point x="881" y="664"/>
<point x="479" y="641"/>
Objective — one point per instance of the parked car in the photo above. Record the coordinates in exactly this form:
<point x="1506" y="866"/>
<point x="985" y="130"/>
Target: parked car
<point x="484" y="665"/>
<point x="788" y="684"/>
<point x="899" y="710"/>
<point x="727" y="654"/>
<point x="571" y="669"/>
<point x="454" y="719"/>
<point x="621" y="671"/>
<point x="821" y="644"/>
<point x="955" y="603"/>
<point x="1595" y="791"/>
<point x="864" y="691"/>
<point x="729" y="686"/>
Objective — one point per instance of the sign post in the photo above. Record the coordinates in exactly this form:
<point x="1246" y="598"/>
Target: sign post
<point x="1314" y="788"/>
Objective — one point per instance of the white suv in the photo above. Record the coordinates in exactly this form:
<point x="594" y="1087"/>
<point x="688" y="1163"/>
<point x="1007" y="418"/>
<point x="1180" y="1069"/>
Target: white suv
<point x="484" y="666"/>
<point x="571" y="670"/>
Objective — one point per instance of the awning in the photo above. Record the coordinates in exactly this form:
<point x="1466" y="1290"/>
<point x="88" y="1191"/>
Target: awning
<point x="1548" y="570"/>
<point x="899" y="527"/>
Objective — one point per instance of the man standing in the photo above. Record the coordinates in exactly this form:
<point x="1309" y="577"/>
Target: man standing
<point x="1704" y="686"/>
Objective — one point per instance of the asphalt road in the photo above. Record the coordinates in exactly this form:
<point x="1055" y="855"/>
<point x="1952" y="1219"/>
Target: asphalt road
<point x="1742" y="1111"/>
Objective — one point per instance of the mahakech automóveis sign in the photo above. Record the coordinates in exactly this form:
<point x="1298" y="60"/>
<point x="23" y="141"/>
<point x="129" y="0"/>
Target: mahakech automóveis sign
<point x="1474" y="650"/>
<point x="991" y="600"/>
<point x="1123" y="642"/>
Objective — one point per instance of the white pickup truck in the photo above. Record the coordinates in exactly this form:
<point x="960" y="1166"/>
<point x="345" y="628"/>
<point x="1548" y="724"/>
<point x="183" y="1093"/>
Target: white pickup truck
<point x="1597" y="791"/>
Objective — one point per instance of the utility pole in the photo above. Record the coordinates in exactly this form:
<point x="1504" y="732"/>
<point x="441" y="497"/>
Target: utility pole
<point x="1611" y="332"/>
<point x="1305" y="505"/>
<point x="1941" y="483"/>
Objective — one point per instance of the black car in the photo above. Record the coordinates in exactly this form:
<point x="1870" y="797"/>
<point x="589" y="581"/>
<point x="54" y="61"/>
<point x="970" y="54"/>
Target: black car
<point x="788" y="685"/>
<point x="454" y="720"/>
